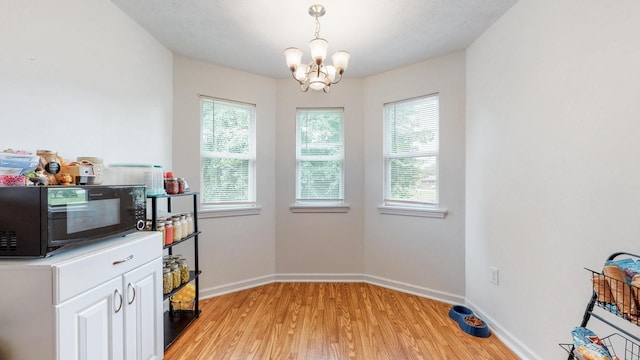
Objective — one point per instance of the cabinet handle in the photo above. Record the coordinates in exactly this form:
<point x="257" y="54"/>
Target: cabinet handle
<point x="129" y="286"/>
<point x="123" y="260"/>
<point x="121" y="300"/>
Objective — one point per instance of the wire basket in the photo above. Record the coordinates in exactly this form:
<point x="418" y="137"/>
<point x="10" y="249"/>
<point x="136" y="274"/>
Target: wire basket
<point x="616" y="296"/>
<point x="617" y="344"/>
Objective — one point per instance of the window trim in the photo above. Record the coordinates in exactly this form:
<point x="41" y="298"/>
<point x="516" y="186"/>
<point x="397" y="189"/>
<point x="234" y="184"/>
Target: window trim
<point x="234" y="208"/>
<point x="409" y="207"/>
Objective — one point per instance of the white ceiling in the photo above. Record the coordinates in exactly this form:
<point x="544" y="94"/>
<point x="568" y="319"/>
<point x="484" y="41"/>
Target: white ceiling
<point x="251" y="35"/>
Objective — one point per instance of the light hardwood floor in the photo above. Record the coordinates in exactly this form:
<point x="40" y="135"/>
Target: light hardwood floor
<point x="309" y="321"/>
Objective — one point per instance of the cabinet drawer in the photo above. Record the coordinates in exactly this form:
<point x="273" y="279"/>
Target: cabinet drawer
<point x="85" y="272"/>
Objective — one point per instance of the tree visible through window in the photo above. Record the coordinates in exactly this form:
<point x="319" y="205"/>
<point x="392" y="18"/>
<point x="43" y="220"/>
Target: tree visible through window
<point x="411" y="145"/>
<point x="227" y="152"/>
<point x="319" y="155"/>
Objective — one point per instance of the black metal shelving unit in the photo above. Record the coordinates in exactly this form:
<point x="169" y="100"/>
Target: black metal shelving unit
<point x="177" y="321"/>
<point x="624" y="344"/>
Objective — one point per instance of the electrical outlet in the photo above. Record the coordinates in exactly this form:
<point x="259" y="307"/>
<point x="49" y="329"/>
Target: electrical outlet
<point x="494" y="275"/>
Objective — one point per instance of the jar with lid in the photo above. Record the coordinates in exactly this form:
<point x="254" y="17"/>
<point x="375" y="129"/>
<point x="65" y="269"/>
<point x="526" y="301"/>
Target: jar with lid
<point x="160" y="228"/>
<point x="177" y="277"/>
<point x="177" y="228"/>
<point x="171" y="186"/>
<point x="184" y="270"/>
<point x="185" y="226"/>
<point x="190" y="224"/>
<point x="181" y="185"/>
<point x="169" y="232"/>
<point x="167" y="280"/>
<point x="49" y="161"/>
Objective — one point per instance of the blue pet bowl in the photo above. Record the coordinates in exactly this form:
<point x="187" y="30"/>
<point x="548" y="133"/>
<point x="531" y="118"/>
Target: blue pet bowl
<point x="459" y="313"/>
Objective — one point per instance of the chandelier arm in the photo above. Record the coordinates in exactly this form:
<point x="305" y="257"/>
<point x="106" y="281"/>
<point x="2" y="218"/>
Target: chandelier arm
<point x="304" y="88"/>
<point x="338" y="78"/>
<point x="293" y="75"/>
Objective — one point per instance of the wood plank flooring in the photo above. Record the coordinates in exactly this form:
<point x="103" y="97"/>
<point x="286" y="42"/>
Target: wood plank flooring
<point x="316" y="321"/>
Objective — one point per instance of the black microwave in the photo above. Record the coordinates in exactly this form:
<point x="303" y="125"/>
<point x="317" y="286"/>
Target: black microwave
<point x="38" y="221"/>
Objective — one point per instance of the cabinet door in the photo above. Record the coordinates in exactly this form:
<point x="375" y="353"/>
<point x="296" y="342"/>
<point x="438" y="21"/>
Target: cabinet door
<point x="90" y="325"/>
<point x="144" y="329"/>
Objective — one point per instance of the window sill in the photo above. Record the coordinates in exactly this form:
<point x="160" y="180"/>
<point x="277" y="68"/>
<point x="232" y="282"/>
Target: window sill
<point x="319" y="208"/>
<point x="213" y="212"/>
<point x="430" y="212"/>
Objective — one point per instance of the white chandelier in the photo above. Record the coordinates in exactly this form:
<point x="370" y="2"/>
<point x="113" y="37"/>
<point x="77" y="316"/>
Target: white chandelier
<point x="316" y="75"/>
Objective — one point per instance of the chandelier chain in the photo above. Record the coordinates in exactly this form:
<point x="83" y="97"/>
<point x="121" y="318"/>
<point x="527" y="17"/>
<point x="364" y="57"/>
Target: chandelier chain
<point x="317" y="27"/>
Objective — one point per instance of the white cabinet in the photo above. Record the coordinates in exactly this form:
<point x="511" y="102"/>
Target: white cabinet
<point x="143" y="329"/>
<point x="101" y="301"/>
<point x="90" y="325"/>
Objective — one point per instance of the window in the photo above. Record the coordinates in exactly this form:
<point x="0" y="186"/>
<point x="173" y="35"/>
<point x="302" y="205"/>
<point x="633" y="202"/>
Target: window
<point x="411" y="143"/>
<point x="227" y="153"/>
<point x="319" y="157"/>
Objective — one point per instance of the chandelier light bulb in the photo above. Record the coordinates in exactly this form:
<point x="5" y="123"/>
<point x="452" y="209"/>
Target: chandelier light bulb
<point x="294" y="58"/>
<point x="340" y="60"/>
<point x="316" y="74"/>
<point x="319" y="49"/>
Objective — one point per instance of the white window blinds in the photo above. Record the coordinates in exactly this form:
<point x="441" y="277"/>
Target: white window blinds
<point x="227" y="152"/>
<point x="319" y="156"/>
<point x="411" y="144"/>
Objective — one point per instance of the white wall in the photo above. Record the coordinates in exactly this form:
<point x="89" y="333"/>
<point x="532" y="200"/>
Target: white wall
<point x="234" y="251"/>
<point x="552" y="174"/>
<point x="311" y="244"/>
<point x="424" y="253"/>
<point x="82" y="78"/>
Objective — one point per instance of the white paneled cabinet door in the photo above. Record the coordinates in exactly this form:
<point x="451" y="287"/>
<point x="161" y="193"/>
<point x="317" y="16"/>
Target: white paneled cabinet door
<point x="143" y="330"/>
<point x="90" y="325"/>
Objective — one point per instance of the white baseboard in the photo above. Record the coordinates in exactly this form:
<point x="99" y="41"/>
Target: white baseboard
<point x="505" y="336"/>
<point x="237" y="286"/>
<point x="374" y="280"/>
<point x="415" y="290"/>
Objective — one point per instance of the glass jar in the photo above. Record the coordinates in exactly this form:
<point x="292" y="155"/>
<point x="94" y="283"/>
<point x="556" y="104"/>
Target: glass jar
<point x="171" y="185"/>
<point x="177" y="228"/>
<point x="49" y="161"/>
<point x="190" y="224"/>
<point x="185" y="226"/>
<point x="160" y="228"/>
<point x="181" y="187"/>
<point x="169" y="232"/>
<point x="184" y="270"/>
<point x="177" y="277"/>
<point x="167" y="280"/>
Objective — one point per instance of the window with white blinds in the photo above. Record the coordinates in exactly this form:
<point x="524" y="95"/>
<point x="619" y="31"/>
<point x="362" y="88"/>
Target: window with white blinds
<point x="411" y="144"/>
<point x="227" y="152"/>
<point x="319" y="156"/>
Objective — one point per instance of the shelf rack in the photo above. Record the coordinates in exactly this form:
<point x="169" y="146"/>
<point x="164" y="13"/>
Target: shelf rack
<point x="176" y="322"/>
<point x="623" y="339"/>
